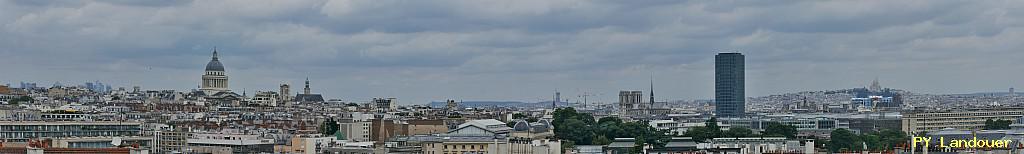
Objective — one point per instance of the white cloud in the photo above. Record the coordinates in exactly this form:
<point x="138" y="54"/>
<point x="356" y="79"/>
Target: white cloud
<point x="515" y="50"/>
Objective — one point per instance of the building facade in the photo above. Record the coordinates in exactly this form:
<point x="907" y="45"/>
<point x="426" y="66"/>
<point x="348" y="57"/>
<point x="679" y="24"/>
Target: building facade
<point x="265" y="98"/>
<point x="168" y="141"/>
<point x="960" y="119"/>
<point x="284" y="93"/>
<point x="239" y="143"/>
<point x="22" y="131"/>
<point x="631" y="103"/>
<point x="729" y="85"/>
<point x="384" y="105"/>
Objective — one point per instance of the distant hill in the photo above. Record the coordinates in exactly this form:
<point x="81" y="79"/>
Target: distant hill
<point x="986" y="94"/>
<point x="485" y="104"/>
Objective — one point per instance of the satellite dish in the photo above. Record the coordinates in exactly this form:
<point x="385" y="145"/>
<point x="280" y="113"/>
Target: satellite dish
<point x="116" y="141"/>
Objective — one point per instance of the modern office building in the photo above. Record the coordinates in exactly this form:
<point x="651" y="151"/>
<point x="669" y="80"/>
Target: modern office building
<point x="22" y="131"/>
<point x="729" y="85"/>
<point x="239" y="143"/>
<point x="101" y="142"/>
<point x="806" y="124"/>
<point x="355" y="126"/>
<point x="170" y="140"/>
<point x="960" y="119"/>
<point x="875" y="103"/>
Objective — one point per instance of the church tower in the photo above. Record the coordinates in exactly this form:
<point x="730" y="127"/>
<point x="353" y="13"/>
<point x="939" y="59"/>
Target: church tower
<point x="285" y="93"/>
<point x="214" y="80"/>
<point x="306" y="90"/>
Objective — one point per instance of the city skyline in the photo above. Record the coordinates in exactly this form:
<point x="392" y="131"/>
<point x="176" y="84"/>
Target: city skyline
<point x="524" y="51"/>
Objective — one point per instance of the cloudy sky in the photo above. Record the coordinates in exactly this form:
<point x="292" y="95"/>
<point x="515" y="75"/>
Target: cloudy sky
<point x="522" y="50"/>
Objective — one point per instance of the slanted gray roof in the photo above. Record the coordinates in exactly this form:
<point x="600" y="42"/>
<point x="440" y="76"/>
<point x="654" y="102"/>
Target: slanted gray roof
<point x="621" y="145"/>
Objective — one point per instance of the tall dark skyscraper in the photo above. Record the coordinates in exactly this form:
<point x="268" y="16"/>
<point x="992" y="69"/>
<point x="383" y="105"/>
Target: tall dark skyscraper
<point x="729" y="90"/>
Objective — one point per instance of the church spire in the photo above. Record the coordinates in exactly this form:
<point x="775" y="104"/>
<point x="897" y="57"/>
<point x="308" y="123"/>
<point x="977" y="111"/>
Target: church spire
<point x="652" y="89"/>
<point x="306" y="90"/>
<point x="214" y="53"/>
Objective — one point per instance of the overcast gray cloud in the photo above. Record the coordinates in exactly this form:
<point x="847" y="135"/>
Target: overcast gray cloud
<point x="421" y="51"/>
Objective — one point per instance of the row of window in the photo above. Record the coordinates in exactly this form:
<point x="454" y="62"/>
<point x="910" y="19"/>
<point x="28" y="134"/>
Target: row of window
<point x="463" y="147"/>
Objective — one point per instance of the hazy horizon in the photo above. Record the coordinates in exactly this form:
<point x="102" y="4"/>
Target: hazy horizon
<point x="423" y="51"/>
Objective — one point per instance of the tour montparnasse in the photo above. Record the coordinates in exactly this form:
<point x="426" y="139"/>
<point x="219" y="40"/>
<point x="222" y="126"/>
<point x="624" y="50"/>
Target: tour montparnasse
<point x="510" y="77"/>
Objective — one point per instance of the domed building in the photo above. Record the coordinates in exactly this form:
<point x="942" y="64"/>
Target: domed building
<point x="215" y="81"/>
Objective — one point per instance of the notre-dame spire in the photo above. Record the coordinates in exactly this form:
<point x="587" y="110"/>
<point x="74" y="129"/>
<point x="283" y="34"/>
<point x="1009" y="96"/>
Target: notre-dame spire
<point x="652" y="90"/>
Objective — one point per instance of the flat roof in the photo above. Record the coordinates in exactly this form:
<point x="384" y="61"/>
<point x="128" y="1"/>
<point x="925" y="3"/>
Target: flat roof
<point x="230" y="142"/>
<point x="68" y="123"/>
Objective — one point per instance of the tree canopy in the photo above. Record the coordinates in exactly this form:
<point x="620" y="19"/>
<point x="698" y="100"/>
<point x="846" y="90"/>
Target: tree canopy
<point x="22" y="99"/>
<point x="738" y="132"/>
<point x="997" y="124"/>
<point x="780" y="130"/>
<point x="844" y="140"/>
<point x="581" y="129"/>
<point x="712" y="130"/>
<point x="329" y="127"/>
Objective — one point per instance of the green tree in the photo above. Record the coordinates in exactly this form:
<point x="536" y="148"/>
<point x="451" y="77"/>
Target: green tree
<point x="872" y="141"/>
<point x="22" y="99"/>
<point x="708" y="131"/>
<point x="609" y="127"/>
<point x="997" y="124"/>
<point x="713" y="130"/>
<point x="601" y="140"/>
<point x="650" y="135"/>
<point x="519" y="116"/>
<point x="698" y="133"/>
<point x="575" y="130"/>
<point x="568" y="145"/>
<point x="738" y="132"/>
<point x="582" y="129"/>
<point x="614" y="120"/>
<point x="780" y="130"/>
<point x="843" y="140"/>
<point x="329" y="127"/>
<point x="891" y="138"/>
<point x="638" y="145"/>
<point x="573" y="126"/>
